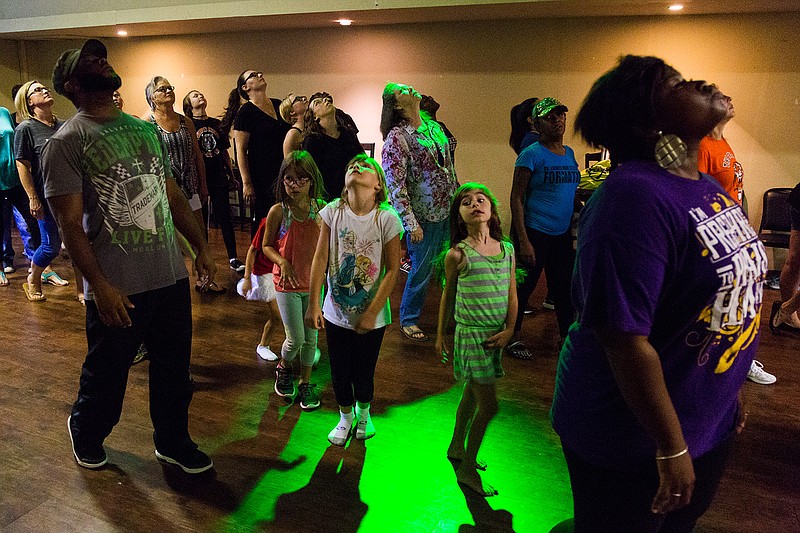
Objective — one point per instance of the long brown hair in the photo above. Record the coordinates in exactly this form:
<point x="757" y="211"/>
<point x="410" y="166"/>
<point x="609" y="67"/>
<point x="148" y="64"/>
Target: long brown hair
<point x="458" y="229"/>
<point x="235" y="98"/>
<point x="390" y="117"/>
<point x="303" y="164"/>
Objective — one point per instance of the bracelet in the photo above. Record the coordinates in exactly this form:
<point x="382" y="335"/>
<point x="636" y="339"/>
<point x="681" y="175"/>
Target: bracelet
<point x="673" y="456"/>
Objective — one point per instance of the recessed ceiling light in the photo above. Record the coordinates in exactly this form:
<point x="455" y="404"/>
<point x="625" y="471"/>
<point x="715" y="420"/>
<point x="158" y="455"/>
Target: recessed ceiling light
<point x="344" y="22"/>
<point x="122" y="33"/>
<point x="675" y="7"/>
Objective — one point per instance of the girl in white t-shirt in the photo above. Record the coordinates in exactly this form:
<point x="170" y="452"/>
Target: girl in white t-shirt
<point x="359" y="246"/>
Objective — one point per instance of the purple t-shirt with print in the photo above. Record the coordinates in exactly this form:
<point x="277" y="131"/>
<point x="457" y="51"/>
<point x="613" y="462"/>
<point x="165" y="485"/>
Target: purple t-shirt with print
<point x="675" y="260"/>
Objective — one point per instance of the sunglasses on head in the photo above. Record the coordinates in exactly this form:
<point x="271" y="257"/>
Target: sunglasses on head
<point x="321" y="96"/>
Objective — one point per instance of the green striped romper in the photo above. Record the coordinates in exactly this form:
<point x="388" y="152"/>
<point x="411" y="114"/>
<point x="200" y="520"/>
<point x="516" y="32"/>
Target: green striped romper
<point x="481" y="309"/>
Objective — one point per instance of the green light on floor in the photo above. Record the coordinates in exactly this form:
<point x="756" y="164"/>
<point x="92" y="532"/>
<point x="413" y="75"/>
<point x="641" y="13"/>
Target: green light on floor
<point x="401" y="480"/>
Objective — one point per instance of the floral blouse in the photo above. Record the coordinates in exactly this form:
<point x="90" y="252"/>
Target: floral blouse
<point x="419" y="173"/>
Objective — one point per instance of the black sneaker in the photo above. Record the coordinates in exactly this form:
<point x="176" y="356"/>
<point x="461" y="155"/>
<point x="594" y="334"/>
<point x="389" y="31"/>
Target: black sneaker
<point x="87" y="456"/>
<point x="284" y="385"/>
<point x="309" y="399"/>
<point x="190" y="459"/>
<point x="236" y="265"/>
<point x="8" y="267"/>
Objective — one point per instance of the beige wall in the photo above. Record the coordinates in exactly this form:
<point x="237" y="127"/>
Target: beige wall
<point x="477" y="71"/>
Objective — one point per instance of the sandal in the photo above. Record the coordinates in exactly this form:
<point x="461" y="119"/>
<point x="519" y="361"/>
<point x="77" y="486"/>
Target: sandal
<point x="3" y="279"/>
<point x="414" y="333"/>
<point x="33" y="296"/>
<point x="519" y="350"/>
<point x="54" y="279"/>
<point x="211" y="288"/>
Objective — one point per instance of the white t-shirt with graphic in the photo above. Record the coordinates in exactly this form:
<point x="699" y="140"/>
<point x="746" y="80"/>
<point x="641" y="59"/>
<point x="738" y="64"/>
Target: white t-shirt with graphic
<point x="355" y="261"/>
<point x="119" y="167"/>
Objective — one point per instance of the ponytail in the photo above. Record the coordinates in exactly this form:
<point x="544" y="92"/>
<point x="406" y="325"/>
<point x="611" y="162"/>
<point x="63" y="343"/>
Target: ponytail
<point x="234" y="103"/>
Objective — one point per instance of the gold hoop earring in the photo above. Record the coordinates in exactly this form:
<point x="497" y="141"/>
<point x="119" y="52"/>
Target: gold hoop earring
<point x="670" y="151"/>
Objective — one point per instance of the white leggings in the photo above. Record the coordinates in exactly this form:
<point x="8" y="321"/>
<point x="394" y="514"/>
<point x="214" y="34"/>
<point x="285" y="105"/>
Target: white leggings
<point x="299" y="338"/>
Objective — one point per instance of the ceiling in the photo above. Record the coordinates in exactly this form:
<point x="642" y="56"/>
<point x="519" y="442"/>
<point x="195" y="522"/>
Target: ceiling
<point x="227" y="16"/>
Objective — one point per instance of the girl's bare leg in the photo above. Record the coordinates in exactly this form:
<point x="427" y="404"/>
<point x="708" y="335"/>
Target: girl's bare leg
<point x="467" y="473"/>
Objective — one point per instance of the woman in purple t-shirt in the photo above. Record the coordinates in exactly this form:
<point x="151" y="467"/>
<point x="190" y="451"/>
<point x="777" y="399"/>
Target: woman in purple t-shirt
<point x="668" y="288"/>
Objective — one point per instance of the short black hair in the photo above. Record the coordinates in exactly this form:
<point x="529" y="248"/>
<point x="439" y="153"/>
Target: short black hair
<point x="14" y="90"/>
<point x="619" y="113"/>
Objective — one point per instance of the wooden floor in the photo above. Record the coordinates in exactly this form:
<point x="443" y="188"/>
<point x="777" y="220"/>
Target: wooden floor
<point x="274" y="468"/>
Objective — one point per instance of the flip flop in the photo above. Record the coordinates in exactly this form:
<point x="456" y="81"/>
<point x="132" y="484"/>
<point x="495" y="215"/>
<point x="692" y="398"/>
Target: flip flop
<point x="519" y="350"/>
<point x="211" y="288"/>
<point x="33" y="296"/>
<point x="54" y="279"/>
<point x="414" y="333"/>
<point x="3" y="279"/>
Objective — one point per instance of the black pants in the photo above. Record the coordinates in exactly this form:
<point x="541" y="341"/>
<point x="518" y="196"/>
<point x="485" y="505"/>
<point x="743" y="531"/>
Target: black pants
<point x="17" y="197"/>
<point x="608" y="500"/>
<point x="162" y="319"/>
<point x="554" y="255"/>
<point x="353" y="359"/>
<point x="265" y="199"/>
<point x="221" y="206"/>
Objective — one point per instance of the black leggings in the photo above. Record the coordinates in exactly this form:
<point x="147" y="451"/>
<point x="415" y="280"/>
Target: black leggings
<point x="221" y="206"/>
<point x="353" y="358"/>
<point x="554" y="255"/>
<point x="607" y="499"/>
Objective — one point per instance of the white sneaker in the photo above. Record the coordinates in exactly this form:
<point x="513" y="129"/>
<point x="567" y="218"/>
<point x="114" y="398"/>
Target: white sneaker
<point x="265" y="353"/>
<point x="757" y="374"/>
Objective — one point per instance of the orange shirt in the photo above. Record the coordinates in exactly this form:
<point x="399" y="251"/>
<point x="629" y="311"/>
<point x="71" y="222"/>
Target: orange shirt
<point x="717" y="159"/>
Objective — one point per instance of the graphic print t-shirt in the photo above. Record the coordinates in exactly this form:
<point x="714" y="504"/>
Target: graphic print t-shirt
<point x="674" y="260"/>
<point x="550" y="194"/>
<point x="355" y="261"/>
<point x="717" y="159"/>
<point x="212" y="143"/>
<point x="119" y="168"/>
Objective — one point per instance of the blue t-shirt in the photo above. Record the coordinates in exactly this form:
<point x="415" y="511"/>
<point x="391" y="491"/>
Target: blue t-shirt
<point x="675" y="260"/>
<point x="529" y="138"/>
<point x="550" y="194"/>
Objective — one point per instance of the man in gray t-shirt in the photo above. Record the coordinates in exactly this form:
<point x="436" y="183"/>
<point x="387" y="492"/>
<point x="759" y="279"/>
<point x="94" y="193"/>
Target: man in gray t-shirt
<point x="106" y="177"/>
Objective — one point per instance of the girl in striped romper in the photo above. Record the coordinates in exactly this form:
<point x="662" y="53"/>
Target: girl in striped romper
<point x="480" y="292"/>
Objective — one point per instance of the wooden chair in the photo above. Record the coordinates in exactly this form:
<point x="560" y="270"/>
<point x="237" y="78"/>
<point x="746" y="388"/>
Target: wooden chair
<point x="369" y="148"/>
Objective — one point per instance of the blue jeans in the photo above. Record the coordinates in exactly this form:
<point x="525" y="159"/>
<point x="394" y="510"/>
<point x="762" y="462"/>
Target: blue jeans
<point x="422" y="255"/>
<point x="17" y="198"/>
<point x="51" y="241"/>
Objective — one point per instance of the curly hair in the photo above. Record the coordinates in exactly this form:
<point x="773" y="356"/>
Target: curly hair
<point x="620" y="112"/>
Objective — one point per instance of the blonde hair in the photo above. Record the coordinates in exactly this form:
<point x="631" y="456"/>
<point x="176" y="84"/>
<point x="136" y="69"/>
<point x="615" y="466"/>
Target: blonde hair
<point x="285" y="109"/>
<point x="382" y="195"/>
<point x="21" y="101"/>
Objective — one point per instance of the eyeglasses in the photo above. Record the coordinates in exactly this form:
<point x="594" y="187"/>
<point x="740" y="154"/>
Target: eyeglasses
<point x="254" y="75"/>
<point x="39" y="89"/>
<point x="165" y="88"/>
<point x="290" y="180"/>
<point x="299" y="99"/>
